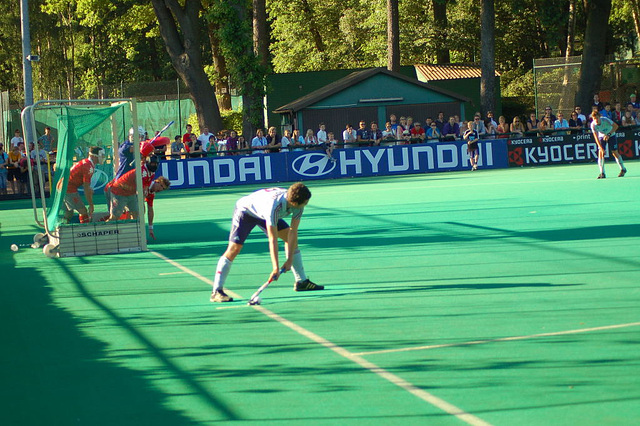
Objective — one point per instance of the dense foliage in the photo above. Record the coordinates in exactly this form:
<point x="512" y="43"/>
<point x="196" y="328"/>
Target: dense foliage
<point x="87" y="45"/>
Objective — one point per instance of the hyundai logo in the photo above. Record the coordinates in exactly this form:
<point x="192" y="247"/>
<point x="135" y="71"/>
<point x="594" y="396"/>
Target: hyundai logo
<point x="313" y="165"/>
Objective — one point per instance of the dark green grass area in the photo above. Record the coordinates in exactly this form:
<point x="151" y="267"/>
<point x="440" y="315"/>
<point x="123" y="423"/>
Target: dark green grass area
<point x="513" y="295"/>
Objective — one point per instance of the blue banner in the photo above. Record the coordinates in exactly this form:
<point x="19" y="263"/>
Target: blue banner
<point x="309" y="165"/>
<point x="565" y="149"/>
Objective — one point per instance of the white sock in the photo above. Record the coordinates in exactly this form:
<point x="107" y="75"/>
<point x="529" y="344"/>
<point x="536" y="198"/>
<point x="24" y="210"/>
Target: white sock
<point x="297" y="267"/>
<point x="601" y="164"/>
<point x="222" y="270"/>
<point x="619" y="161"/>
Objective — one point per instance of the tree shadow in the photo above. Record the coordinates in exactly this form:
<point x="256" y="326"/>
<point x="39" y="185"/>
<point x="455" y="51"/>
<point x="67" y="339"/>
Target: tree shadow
<point x="56" y="375"/>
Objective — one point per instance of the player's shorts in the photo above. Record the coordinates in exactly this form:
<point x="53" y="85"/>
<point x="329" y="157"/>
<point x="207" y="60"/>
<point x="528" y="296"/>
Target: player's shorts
<point x="243" y="223"/>
<point x="612" y="143"/>
<point x="472" y="149"/>
<point x="72" y="201"/>
<point x="118" y="204"/>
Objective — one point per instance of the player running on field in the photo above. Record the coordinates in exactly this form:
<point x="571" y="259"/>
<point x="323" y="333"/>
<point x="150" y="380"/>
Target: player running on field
<point x="266" y="208"/>
<point x="80" y="175"/>
<point x="604" y="131"/>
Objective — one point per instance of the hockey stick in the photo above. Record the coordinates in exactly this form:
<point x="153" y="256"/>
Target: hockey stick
<point x="161" y="132"/>
<point x="157" y="136"/>
<point x="255" y="298"/>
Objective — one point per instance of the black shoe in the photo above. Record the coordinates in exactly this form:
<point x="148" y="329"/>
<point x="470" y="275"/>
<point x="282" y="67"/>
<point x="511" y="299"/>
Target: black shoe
<point x="601" y="176"/>
<point x="307" y="285"/>
<point x="220" y="296"/>
<point x="622" y="172"/>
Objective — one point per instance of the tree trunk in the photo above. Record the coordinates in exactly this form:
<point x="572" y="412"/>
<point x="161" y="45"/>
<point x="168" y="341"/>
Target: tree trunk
<point x="180" y="27"/>
<point x="313" y="27"/>
<point x="260" y="33"/>
<point x="595" y="38"/>
<point x="571" y="28"/>
<point x="635" y="11"/>
<point x="246" y="70"/>
<point x="220" y="65"/>
<point x="393" y="36"/>
<point x="441" y="25"/>
<point x="566" y="99"/>
<point x="487" y="60"/>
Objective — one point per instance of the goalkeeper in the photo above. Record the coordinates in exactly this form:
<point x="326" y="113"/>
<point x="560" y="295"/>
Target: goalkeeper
<point x="80" y="175"/>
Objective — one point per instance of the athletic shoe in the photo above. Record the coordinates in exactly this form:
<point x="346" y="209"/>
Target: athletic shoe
<point x="307" y="285"/>
<point x="474" y="168"/>
<point x="220" y="296"/>
<point x="622" y="172"/>
<point x="601" y="176"/>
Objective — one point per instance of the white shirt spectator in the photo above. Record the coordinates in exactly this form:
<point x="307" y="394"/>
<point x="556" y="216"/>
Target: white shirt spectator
<point x="285" y="143"/>
<point x="16" y="140"/>
<point x="204" y="140"/>
<point x="321" y="136"/>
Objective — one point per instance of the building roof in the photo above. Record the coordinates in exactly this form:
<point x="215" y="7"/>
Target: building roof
<point x="428" y="73"/>
<point x="352" y="79"/>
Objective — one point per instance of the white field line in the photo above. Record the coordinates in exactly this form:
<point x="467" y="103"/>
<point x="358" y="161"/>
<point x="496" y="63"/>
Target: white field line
<point x="171" y="273"/>
<point x="502" y="339"/>
<point x="189" y="271"/>
<point x="396" y="380"/>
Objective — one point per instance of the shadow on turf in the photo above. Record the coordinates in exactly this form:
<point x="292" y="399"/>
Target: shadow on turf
<point x="57" y="375"/>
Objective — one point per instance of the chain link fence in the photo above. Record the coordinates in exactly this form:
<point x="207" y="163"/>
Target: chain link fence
<point x="556" y="82"/>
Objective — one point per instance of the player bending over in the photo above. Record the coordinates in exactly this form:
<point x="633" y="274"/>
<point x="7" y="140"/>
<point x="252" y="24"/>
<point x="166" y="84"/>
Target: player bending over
<point x="80" y="175"/>
<point x="266" y="208"/>
<point x="122" y="198"/>
<point x="604" y="131"/>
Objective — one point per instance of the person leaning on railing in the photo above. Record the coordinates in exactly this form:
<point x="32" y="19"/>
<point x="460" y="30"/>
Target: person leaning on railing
<point x="433" y="133"/>
<point x="451" y="130"/>
<point x="517" y="128"/>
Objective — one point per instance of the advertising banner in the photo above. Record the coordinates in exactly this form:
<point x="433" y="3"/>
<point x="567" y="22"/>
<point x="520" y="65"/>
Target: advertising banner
<point x="309" y="165"/>
<point x="564" y="149"/>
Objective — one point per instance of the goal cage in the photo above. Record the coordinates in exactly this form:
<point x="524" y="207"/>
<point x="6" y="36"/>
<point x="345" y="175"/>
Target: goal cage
<point x="82" y="124"/>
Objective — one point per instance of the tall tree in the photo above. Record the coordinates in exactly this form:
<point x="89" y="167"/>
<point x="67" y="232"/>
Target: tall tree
<point x="635" y="12"/>
<point x="221" y="80"/>
<point x="566" y="100"/>
<point x="180" y="28"/>
<point x="260" y="32"/>
<point x="593" y="55"/>
<point x="393" y="36"/>
<point x="441" y="25"/>
<point x="245" y="71"/>
<point x="488" y="56"/>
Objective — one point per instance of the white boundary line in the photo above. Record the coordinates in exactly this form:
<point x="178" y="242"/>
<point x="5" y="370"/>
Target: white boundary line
<point x="396" y="380"/>
<point x="502" y="339"/>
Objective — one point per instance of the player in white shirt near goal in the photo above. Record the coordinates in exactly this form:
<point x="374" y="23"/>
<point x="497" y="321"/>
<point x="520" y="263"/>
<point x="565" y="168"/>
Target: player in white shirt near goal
<point x="604" y="132"/>
<point x="266" y="209"/>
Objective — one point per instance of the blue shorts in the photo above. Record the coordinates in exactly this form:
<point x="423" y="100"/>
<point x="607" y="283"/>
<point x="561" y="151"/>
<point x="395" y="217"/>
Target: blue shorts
<point x="612" y="143"/>
<point x="243" y="223"/>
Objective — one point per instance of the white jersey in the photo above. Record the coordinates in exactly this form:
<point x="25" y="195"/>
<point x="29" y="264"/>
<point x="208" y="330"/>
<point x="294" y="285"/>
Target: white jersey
<point x="605" y="127"/>
<point x="268" y="204"/>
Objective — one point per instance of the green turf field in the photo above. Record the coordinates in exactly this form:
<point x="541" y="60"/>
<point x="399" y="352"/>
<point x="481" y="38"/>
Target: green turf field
<point x="504" y="297"/>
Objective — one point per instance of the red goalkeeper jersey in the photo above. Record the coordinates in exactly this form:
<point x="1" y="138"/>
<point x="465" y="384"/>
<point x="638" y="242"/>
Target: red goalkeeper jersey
<point x="80" y="173"/>
<point x="126" y="184"/>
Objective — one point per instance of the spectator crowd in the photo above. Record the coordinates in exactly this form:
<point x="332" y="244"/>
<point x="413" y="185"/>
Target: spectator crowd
<point x="396" y="131"/>
<point x="399" y="131"/>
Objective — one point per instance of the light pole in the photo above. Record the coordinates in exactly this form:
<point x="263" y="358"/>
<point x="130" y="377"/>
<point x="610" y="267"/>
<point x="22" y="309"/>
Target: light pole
<point x="27" y="58"/>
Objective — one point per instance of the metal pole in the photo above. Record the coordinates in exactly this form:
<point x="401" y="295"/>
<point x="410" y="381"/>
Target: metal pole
<point x="535" y="90"/>
<point x="179" y="110"/>
<point x="26" y="53"/>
